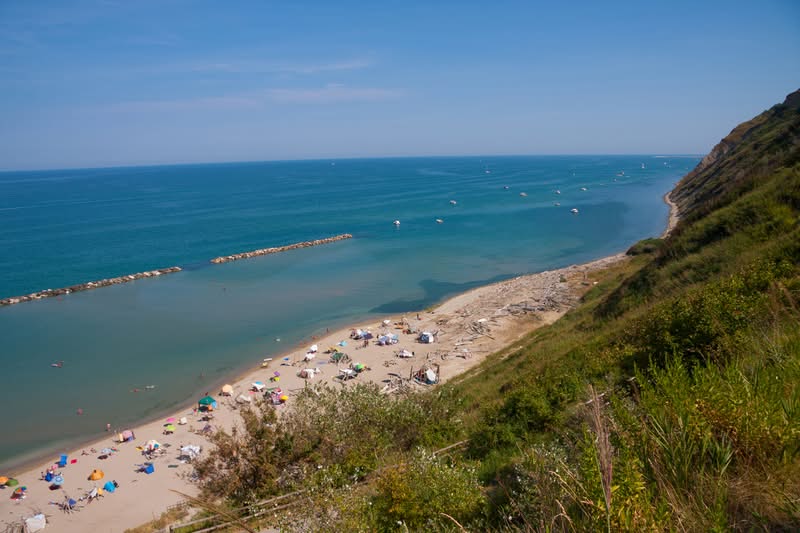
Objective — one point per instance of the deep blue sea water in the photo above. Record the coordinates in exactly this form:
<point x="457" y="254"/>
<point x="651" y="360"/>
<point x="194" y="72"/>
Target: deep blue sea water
<point x="188" y="331"/>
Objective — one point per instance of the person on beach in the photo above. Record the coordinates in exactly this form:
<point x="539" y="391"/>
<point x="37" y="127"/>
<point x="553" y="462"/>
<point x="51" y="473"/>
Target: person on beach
<point x="108" y="427"/>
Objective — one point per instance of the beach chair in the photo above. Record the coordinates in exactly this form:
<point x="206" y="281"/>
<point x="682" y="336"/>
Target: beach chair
<point x="63" y="461"/>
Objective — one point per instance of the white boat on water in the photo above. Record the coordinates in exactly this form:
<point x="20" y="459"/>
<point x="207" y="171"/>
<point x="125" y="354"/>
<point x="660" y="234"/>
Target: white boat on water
<point x="453" y="202"/>
<point x="558" y="192"/>
<point x="396" y="222"/>
<point x="583" y="188"/>
<point x="574" y="211"/>
<point x="439" y="220"/>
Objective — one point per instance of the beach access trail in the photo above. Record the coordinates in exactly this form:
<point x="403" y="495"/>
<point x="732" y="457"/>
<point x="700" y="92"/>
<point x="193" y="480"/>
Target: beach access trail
<point x="469" y="328"/>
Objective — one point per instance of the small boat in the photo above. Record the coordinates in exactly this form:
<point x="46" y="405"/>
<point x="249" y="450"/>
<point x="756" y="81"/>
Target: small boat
<point x="439" y="220"/>
<point x="583" y="188"/>
<point x="558" y="192"/>
<point x="57" y="364"/>
<point x="573" y="211"/>
<point x="557" y="204"/>
<point x="453" y="202"/>
<point x="523" y="194"/>
<point x="506" y="187"/>
<point x="621" y="173"/>
<point x="150" y="387"/>
<point x="642" y="165"/>
<point x="396" y="222"/>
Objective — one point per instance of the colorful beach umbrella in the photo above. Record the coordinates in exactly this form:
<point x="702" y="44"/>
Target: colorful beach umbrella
<point x="208" y="400"/>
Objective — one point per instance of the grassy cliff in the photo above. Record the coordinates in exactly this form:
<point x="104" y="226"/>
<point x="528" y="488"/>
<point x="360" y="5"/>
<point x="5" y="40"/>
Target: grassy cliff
<point x="670" y="400"/>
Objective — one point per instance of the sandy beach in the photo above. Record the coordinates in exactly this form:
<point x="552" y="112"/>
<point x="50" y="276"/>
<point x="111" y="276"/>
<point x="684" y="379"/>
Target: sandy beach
<point x="468" y="328"/>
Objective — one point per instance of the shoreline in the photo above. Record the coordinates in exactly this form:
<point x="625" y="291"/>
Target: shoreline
<point x="509" y="309"/>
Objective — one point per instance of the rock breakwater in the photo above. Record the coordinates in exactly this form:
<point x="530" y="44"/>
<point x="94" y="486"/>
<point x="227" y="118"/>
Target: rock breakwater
<point x="278" y="249"/>
<point x="49" y="293"/>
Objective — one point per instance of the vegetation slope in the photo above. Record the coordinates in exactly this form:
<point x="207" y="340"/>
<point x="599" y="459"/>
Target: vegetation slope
<point x="669" y="400"/>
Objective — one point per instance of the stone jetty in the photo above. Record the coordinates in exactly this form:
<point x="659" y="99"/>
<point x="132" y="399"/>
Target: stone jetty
<point x="278" y="249"/>
<point x="49" y="293"/>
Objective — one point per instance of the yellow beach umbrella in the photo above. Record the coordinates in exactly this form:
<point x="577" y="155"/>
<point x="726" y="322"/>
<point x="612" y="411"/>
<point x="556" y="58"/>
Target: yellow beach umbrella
<point x="96" y="474"/>
<point x="3" y="480"/>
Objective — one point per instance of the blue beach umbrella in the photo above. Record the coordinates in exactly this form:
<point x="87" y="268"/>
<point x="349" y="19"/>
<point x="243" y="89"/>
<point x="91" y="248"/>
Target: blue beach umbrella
<point x="58" y="481"/>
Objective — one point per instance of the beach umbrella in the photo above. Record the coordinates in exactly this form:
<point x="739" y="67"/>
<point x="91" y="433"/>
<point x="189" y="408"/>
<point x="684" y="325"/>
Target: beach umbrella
<point x="171" y="419"/>
<point x="3" y="480"/>
<point x="96" y="474"/>
<point x="169" y="427"/>
<point x="284" y="398"/>
<point x="12" y="482"/>
<point x="58" y="481"/>
<point x="227" y="389"/>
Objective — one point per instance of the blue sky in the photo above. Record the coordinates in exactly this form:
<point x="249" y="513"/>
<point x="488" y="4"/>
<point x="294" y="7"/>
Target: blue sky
<point x="104" y="83"/>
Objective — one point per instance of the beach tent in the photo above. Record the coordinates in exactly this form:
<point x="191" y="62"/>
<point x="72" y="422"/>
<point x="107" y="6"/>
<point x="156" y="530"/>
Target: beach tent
<point x="430" y="376"/>
<point x="152" y="445"/>
<point x="208" y="403"/>
<point x="227" y="390"/>
<point x="313" y="348"/>
<point x="426" y="337"/>
<point x="11" y="482"/>
<point x="35" y="523"/>
<point x="96" y="474"/>
<point x="182" y="421"/>
<point x="126" y="436"/>
<point x="258" y="386"/>
<point x="109" y="486"/>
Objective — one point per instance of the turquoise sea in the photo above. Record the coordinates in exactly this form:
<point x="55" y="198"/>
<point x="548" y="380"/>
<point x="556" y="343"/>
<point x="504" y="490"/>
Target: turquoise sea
<point x="187" y="332"/>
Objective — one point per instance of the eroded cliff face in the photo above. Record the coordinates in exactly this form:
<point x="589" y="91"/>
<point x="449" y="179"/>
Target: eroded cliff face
<point x="760" y="144"/>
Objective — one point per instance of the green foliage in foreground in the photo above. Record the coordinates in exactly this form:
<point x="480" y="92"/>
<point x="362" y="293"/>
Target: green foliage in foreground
<point x="692" y="347"/>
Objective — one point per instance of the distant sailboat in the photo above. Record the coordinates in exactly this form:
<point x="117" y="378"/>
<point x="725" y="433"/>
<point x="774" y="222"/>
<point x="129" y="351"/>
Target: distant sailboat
<point x="573" y="211"/>
<point x="583" y="188"/>
<point x="439" y="220"/>
<point x="523" y="194"/>
<point x="506" y="187"/>
<point x="558" y="192"/>
<point x="396" y="222"/>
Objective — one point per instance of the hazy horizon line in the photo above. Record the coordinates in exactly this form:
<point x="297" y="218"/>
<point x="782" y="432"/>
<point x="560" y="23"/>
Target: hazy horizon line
<point x="655" y="155"/>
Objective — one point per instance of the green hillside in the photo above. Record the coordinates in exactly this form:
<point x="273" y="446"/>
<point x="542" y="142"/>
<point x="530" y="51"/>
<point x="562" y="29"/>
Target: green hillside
<point x="669" y="400"/>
